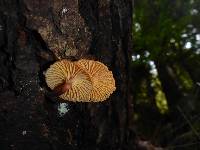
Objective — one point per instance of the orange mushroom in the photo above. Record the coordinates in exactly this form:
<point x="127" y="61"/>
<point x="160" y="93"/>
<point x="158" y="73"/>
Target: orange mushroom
<point x="69" y="81"/>
<point x="102" y="79"/>
<point x="83" y="80"/>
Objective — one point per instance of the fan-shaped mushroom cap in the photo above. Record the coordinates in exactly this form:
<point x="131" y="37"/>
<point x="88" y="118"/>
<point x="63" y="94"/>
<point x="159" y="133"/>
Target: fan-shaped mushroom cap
<point x="76" y="83"/>
<point x="102" y="79"/>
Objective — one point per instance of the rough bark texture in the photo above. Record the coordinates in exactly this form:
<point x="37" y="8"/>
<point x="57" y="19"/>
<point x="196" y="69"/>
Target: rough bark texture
<point x="34" y="34"/>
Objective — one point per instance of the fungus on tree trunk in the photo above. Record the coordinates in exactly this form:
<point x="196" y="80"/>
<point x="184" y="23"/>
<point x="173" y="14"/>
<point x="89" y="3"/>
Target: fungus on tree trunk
<point x="63" y="73"/>
<point x="83" y="80"/>
<point x="102" y="79"/>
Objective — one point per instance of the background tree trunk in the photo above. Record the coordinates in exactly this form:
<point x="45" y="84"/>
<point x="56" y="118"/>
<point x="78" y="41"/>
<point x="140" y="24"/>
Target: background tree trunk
<point x="33" y="34"/>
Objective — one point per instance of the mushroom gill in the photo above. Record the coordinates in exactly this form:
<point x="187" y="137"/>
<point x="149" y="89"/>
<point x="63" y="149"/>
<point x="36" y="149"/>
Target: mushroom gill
<point x="69" y="81"/>
<point x="102" y="79"/>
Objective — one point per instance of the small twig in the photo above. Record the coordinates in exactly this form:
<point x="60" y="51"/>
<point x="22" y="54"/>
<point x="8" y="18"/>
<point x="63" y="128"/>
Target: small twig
<point x="189" y="123"/>
<point x="183" y="145"/>
<point x="196" y="118"/>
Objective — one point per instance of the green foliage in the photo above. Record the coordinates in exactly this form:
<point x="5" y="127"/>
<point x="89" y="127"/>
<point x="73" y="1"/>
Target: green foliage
<point x="159" y="25"/>
<point x="165" y="69"/>
<point x="160" y="98"/>
<point x="184" y="78"/>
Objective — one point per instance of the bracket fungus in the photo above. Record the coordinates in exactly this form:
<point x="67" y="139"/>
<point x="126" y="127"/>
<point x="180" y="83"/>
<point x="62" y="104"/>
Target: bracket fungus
<point x="83" y="80"/>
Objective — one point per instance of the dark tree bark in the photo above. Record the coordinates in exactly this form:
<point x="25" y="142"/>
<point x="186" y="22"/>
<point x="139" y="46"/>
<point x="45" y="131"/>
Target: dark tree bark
<point x="34" y="34"/>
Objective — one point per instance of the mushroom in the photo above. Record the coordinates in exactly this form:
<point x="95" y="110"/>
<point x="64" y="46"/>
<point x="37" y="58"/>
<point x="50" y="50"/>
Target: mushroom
<point x="69" y="81"/>
<point x="102" y="79"/>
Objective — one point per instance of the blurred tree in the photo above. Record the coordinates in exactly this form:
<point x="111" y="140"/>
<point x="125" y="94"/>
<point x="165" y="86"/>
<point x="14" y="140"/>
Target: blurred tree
<point x="167" y="46"/>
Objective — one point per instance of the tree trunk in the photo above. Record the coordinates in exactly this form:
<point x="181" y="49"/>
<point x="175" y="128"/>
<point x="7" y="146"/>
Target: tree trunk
<point x="34" y="34"/>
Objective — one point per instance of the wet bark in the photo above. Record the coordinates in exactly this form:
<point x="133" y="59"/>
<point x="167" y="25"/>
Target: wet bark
<point x="33" y="35"/>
